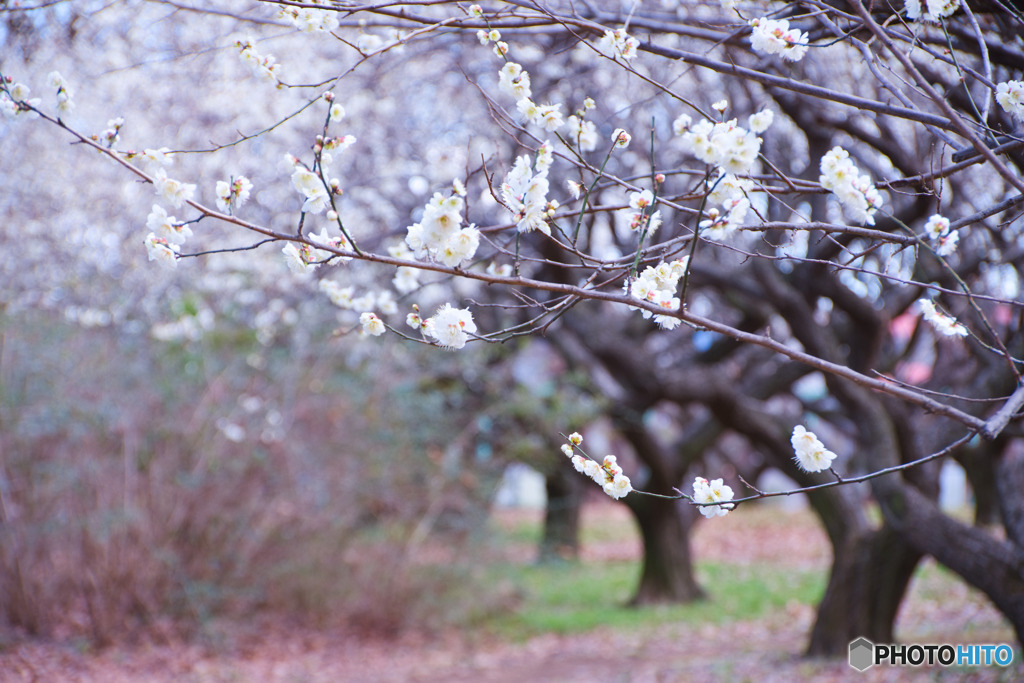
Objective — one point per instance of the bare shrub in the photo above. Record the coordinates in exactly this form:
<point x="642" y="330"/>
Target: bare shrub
<point x="146" y="485"/>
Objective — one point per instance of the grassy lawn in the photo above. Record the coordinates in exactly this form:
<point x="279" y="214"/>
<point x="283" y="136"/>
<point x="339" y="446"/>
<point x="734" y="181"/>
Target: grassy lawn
<point x="577" y="597"/>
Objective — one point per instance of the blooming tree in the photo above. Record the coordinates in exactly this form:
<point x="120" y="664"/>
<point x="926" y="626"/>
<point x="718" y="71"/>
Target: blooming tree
<point x="733" y="207"/>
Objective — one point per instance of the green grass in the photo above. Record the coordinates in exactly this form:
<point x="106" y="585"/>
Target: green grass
<point x="578" y="597"/>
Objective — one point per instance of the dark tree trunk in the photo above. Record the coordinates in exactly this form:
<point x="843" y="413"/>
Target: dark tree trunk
<point x="871" y="568"/>
<point x="667" y="574"/>
<point x="979" y="464"/>
<point x="561" y="536"/>
<point x="990" y="564"/>
<point x="869" y="577"/>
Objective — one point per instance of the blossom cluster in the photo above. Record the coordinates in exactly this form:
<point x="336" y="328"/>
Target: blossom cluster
<point x="515" y="80"/>
<point x="726" y="145"/>
<point x="734" y="150"/>
<point x="811" y="454"/>
<point x="618" y="44"/>
<point x="607" y="474"/>
<point x="944" y="324"/>
<point x="65" y="104"/>
<point x="439" y="233"/>
<point x="232" y="193"/>
<point x="524" y="192"/>
<point x="583" y="133"/>
<point x="450" y="327"/>
<point x="942" y="236"/>
<point x="657" y="285"/>
<point x="309" y="19"/>
<point x="112" y="134"/>
<point x="775" y="37"/>
<point x="265" y="67"/>
<point x="406" y="278"/>
<point x="930" y="10"/>
<point x="313" y="188"/>
<point x="11" y="95"/>
<point x="712" y="497"/>
<point x="1010" y="96"/>
<point x="302" y="258"/>
<point x="345" y="298"/>
<point x="855" y="190"/>
<point x="642" y="218"/>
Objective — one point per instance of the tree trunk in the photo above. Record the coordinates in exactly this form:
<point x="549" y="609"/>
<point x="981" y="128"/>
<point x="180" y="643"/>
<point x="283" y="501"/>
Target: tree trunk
<point x="869" y="577"/>
<point x="667" y="574"/>
<point x="561" y="537"/>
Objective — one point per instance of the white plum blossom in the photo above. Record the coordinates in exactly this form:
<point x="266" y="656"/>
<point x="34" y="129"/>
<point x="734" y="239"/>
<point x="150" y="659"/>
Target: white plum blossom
<point x="515" y="81"/>
<point x="582" y="132"/>
<point x="642" y="218"/>
<point x="682" y="124"/>
<point x="407" y="279"/>
<point x="112" y="135"/>
<point x="714" y="491"/>
<point x="339" y="296"/>
<point x="308" y="19"/>
<point x="574" y="188"/>
<point x="545" y="157"/>
<point x="312" y="187"/>
<point x="720" y="225"/>
<point x="618" y="486"/>
<point x="262" y="67"/>
<point x="10" y="103"/>
<point x="547" y="116"/>
<point x="657" y="285"/>
<point x="761" y="121"/>
<point x="639" y="201"/>
<point x="303" y="258"/>
<point x="502" y="270"/>
<point x="174" y="191"/>
<point x="607" y="474"/>
<point x="946" y="325"/>
<point x="65" y="105"/>
<point x="157" y="158"/>
<point x="167" y="227"/>
<point x="299" y="258"/>
<point x="525" y="195"/>
<point x="372" y="325"/>
<point x="618" y="44"/>
<point x="811" y="454"/>
<point x="323" y="239"/>
<point x="726" y="145"/>
<point x="162" y="251"/>
<point x="440" y="234"/>
<point x="775" y="37"/>
<point x="621" y="138"/>
<point x="450" y="327"/>
<point x="855" y="190"/>
<point x="369" y="42"/>
<point x="1010" y="96"/>
<point x="726" y="186"/>
<point x="232" y="193"/>
<point x="930" y="10"/>
<point x="945" y="239"/>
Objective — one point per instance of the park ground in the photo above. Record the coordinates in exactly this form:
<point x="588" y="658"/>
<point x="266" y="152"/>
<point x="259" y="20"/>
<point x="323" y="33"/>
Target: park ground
<point x="762" y="566"/>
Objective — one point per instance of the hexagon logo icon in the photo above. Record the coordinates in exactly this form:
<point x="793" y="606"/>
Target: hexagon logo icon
<point x="862" y="654"/>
